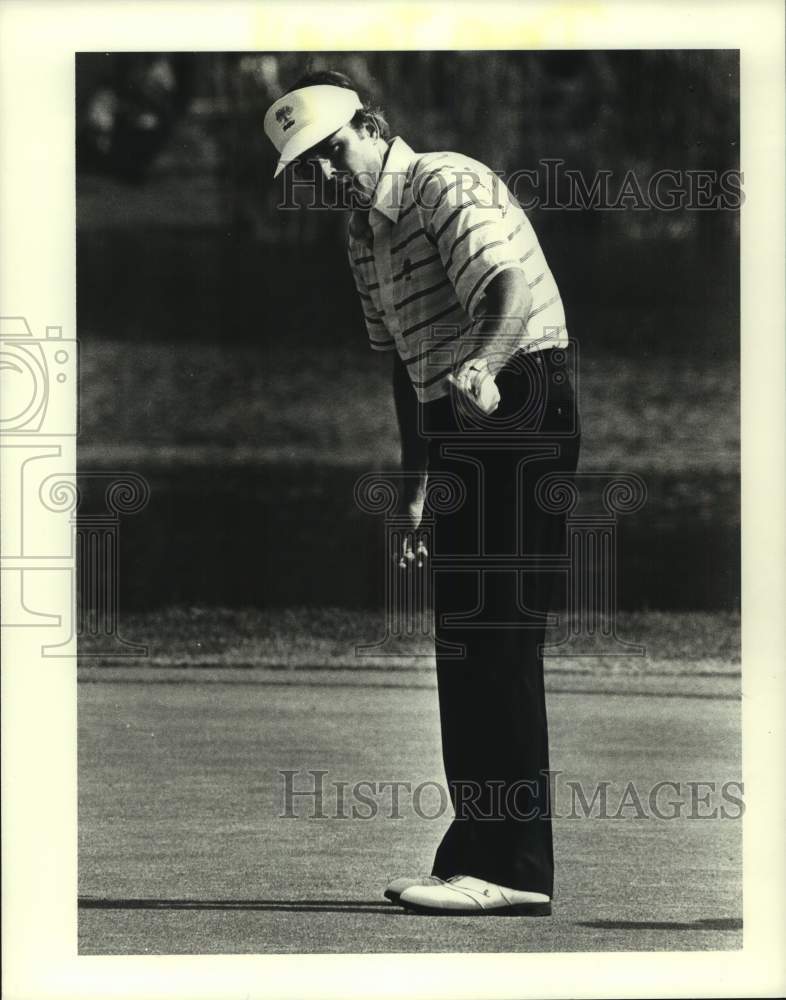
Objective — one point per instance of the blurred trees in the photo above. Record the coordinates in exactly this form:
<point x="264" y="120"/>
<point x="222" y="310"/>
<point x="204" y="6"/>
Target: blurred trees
<point x="126" y="105"/>
<point x="141" y="115"/>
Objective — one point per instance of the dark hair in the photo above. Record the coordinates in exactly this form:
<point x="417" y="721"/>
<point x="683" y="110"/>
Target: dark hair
<point x="370" y="115"/>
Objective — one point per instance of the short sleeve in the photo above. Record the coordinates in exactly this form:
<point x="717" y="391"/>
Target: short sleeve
<point x="476" y="226"/>
<point x="378" y="337"/>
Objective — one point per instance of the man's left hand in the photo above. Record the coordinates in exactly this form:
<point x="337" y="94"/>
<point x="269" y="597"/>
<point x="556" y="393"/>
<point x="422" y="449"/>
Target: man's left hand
<point x="474" y="381"/>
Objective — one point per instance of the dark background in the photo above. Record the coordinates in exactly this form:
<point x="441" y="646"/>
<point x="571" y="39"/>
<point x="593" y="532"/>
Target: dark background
<point x="223" y="352"/>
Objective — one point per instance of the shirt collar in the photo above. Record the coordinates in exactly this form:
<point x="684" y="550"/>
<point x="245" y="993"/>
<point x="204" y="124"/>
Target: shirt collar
<point x="390" y="186"/>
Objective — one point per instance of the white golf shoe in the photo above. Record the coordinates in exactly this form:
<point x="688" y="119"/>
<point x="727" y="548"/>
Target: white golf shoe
<point x="466" y="896"/>
<point x="398" y="885"/>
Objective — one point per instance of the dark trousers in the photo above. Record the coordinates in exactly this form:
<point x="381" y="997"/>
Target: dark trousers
<point x="491" y="698"/>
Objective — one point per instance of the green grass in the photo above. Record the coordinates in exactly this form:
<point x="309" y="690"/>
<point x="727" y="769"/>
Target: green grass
<point x="172" y="403"/>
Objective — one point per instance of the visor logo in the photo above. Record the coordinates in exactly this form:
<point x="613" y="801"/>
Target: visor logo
<point x="284" y="117"/>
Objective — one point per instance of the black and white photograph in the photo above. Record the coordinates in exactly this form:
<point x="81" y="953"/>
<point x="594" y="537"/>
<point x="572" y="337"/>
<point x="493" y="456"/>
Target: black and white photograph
<point x="390" y="503"/>
<point x="423" y="369"/>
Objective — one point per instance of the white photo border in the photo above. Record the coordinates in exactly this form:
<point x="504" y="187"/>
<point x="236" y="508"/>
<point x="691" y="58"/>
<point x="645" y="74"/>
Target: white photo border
<point x="38" y="41"/>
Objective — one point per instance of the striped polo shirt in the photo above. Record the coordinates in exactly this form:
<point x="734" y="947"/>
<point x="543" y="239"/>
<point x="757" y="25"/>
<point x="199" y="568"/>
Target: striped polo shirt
<point x="441" y="225"/>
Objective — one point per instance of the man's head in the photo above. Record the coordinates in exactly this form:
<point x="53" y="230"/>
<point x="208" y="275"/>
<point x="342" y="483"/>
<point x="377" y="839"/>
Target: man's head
<point x="323" y="120"/>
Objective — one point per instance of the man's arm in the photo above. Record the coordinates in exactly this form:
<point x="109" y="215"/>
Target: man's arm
<point x="476" y="230"/>
<point x="496" y="337"/>
<point x="498" y="334"/>
<point x="414" y="447"/>
<point x="508" y="302"/>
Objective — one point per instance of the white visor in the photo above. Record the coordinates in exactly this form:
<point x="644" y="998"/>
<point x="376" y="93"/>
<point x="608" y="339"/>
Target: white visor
<point x="302" y="118"/>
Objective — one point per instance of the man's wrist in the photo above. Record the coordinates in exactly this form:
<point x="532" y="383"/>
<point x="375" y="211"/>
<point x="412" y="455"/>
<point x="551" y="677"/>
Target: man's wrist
<point x="415" y="475"/>
<point x="493" y="359"/>
<point x="496" y="340"/>
<point x="480" y="365"/>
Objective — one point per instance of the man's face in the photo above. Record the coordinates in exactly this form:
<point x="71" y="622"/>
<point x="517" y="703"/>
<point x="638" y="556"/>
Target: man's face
<point x="352" y="159"/>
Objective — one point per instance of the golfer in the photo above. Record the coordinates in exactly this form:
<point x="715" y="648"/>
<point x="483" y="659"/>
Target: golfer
<point x="454" y="285"/>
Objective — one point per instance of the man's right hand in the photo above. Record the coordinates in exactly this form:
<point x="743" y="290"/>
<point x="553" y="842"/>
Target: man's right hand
<point x="409" y="557"/>
<point x="409" y="547"/>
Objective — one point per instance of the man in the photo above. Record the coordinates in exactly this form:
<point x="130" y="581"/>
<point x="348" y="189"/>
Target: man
<point x="453" y="282"/>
